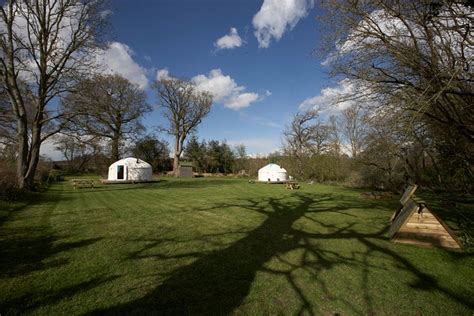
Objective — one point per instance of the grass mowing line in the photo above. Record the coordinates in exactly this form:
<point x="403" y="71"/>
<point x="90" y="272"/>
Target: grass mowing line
<point x="224" y="245"/>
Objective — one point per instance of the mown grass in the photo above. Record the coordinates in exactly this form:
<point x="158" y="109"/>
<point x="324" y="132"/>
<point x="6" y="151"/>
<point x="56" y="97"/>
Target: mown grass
<point x="220" y="246"/>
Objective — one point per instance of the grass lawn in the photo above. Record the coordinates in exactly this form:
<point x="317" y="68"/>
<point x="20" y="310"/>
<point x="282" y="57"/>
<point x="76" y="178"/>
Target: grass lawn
<point x="219" y="246"/>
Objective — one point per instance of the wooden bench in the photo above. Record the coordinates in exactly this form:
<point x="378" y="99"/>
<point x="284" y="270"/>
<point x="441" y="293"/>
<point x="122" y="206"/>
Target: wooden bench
<point x="83" y="183"/>
<point x="292" y="185"/>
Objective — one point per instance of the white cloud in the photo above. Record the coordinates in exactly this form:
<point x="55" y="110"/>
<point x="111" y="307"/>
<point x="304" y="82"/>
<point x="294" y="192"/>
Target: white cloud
<point x="106" y="13"/>
<point x="331" y="99"/>
<point x="242" y="100"/>
<point x="225" y="90"/>
<point x="275" y="17"/>
<point x="229" y="41"/>
<point x="117" y="59"/>
<point x="162" y="74"/>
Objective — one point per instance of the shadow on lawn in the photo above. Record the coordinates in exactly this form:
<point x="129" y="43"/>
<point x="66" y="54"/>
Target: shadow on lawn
<point x="23" y="255"/>
<point x="218" y="282"/>
<point x="31" y="301"/>
<point x="26" y="249"/>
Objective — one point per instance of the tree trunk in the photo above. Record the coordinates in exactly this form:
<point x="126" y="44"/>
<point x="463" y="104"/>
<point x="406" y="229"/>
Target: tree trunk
<point x="175" y="164"/>
<point x="28" y="157"/>
<point x="22" y="159"/>
<point x="115" y="147"/>
<point x="176" y="155"/>
<point x="34" y="157"/>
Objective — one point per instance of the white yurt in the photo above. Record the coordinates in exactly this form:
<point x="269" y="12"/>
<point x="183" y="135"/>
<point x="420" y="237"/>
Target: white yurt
<point x="272" y="173"/>
<point x="130" y="169"/>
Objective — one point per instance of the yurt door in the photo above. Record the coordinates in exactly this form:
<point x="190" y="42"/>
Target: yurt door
<point x="120" y="172"/>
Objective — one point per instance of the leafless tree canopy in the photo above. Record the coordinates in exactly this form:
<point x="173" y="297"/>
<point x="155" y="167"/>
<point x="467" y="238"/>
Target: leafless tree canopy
<point x="307" y="134"/>
<point x="414" y="54"/>
<point x="108" y="107"/>
<point x="44" y="49"/>
<point x="411" y="62"/>
<point x="354" y="128"/>
<point x="184" y="108"/>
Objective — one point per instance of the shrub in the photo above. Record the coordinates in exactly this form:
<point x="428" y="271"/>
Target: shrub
<point x="8" y="184"/>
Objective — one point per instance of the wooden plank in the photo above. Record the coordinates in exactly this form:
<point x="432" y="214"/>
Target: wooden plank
<point x="423" y="228"/>
<point x="408" y="193"/>
<point x="425" y="217"/>
<point x="450" y="232"/>
<point x="423" y="233"/>
<point x="424" y="236"/>
<point x="425" y="225"/>
<point x="416" y="221"/>
<point x="404" y="215"/>
<point x="443" y="244"/>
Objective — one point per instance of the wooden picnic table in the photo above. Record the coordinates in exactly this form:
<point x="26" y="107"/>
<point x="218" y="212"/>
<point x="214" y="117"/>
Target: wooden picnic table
<point x="83" y="183"/>
<point x="292" y="185"/>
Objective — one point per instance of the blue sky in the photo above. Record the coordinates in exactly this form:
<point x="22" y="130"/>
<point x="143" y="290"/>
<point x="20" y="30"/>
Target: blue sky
<point x="180" y="36"/>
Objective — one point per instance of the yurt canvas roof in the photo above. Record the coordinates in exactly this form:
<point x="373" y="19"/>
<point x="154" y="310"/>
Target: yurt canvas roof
<point x="133" y="162"/>
<point x="272" y="167"/>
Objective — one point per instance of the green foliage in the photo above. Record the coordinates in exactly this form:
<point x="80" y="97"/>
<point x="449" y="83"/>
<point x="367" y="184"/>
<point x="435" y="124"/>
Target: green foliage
<point x="212" y="156"/>
<point x="154" y="151"/>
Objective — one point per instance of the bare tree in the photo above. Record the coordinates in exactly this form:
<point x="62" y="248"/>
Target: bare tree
<point x="184" y="108"/>
<point x="412" y="58"/>
<point x="109" y="107"/>
<point x="7" y="122"/>
<point x="335" y="137"/>
<point x="240" y="157"/>
<point x="418" y="53"/>
<point x="307" y="134"/>
<point x="353" y="128"/>
<point x="77" y="150"/>
<point x="44" y="47"/>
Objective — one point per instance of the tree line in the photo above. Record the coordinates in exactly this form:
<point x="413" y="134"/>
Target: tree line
<point x="51" y="84"/>
<point x="407" y="117"/>
<point x="410" y="114"/>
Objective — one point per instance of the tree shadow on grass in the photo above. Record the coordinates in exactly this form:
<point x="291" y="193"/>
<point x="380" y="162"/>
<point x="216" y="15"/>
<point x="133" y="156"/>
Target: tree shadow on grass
<point x="217" y="282"/>
<point x="25" y="254"/>
<point x="25" y="248"/>
<point x="31" y="301"/>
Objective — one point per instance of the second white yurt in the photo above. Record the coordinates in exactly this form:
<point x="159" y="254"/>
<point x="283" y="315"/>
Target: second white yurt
<point x="130" y="169"/>
<point x="272" y="173"/>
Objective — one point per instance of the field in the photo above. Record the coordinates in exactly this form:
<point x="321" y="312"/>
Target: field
<point x="219" y="246"/>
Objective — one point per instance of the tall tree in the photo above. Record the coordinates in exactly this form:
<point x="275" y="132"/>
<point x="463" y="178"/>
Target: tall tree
<point x="196" y="152"/>
<point x="184" y="108"/>
<point x="153" y="150"/>
<point x="307" y="134"/>
<point x="240" y="153"/>
<point x="354" y="129"/>
<point x="413" y="59"/>
<point x="45" y="46"/>
<point x="107" y="106"/>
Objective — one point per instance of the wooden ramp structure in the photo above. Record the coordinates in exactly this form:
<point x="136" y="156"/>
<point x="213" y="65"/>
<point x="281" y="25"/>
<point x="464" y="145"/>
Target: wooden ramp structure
<point x="415" y="223"/>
